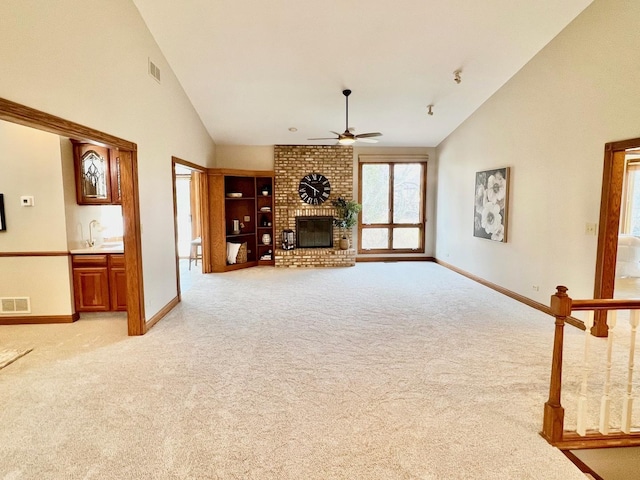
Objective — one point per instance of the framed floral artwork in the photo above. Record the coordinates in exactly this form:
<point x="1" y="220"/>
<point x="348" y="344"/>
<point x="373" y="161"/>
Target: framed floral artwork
<point x="491" y="202"/>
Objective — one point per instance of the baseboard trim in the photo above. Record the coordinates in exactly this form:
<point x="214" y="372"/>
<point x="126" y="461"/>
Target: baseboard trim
<point x="160" y="315"/>
<point x="516" y="296"/>
<point x="389" y="258"/>
<point x="38" y="319"/>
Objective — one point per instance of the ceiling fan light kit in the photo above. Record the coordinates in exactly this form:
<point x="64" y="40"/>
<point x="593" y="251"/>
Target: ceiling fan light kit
<point x="348" y="137"/>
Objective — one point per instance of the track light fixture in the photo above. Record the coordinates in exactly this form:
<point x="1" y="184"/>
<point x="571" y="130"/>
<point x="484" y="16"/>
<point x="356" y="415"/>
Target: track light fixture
<point x="456" y="76"/>
<point x="429" y="109"/>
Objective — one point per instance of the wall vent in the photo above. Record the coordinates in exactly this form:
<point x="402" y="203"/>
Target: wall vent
<point x="13" y="305"/>
<point x="154" y="71"/>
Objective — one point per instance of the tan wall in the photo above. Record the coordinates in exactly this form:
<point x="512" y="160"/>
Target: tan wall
<point x="549" y="123"/>
<point x="248" y="157"/>
<point x="30" y="165"/>
<point x="86" y="61"/>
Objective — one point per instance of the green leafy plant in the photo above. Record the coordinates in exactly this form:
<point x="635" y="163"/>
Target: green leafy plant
<point x="347" y="213"/>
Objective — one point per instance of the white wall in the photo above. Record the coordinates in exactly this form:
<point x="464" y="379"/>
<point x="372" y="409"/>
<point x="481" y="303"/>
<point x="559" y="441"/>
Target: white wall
<point x="30" y="165"/>
<point x="549" y="123"/>
<point x="86" y="61"/>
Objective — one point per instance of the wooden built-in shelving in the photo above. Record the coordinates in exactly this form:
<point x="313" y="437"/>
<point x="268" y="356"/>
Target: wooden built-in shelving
<point x="249" y="210"/>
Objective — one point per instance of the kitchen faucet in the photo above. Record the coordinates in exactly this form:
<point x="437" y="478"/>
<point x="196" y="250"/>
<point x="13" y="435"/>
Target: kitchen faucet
<point x="92" y="224"/>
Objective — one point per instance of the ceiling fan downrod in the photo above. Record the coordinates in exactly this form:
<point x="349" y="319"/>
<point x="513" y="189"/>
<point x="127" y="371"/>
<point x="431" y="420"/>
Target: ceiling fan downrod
<point x="346" y="94"/>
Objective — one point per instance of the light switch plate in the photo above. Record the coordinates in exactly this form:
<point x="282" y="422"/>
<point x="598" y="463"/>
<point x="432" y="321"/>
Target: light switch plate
<point x="27" y="201"/>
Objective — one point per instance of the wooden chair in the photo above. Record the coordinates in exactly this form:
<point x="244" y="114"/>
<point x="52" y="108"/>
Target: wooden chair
<point x="196" y="251"/>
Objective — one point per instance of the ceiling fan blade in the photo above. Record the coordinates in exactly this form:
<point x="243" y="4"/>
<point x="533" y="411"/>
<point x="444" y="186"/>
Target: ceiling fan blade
<point x="324" y="138"/>
<point x="368" y="135"/>
<point x="335" y="133"/>
<point x="367" y="140"/>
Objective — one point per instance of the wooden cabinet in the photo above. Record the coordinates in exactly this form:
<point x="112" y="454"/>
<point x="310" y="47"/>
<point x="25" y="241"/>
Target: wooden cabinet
<point x="97" y="172"/>
<point x="117" y="282"/>
<point x="241" y="214"/>
<point x="99" y="282"/>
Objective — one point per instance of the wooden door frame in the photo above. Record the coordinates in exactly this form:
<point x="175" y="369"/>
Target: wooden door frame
<point x="610" y="206"/>
<point x="30" y="117"/>
<point x="204" y="215"/>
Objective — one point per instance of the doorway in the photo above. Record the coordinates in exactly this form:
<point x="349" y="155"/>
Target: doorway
<point x="618" y="182"/>
<point x="20" y="114"/>
<point x="189" y="209"/>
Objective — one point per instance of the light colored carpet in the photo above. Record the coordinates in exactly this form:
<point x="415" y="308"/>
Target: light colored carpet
<point x="380" y="371"/>
<point x="7" y="357"/>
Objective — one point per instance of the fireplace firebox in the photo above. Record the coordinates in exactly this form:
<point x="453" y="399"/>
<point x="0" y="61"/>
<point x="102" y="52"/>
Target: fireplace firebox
<point x="314" y="232"/>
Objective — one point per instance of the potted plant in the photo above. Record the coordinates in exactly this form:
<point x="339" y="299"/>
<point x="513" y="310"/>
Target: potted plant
<point x="346" y="218"/>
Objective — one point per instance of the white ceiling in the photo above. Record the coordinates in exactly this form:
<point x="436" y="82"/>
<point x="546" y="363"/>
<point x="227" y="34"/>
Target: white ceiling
<point x="255" y="68"/>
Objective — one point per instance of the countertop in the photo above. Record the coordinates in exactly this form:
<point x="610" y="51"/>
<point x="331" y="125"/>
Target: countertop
<point x="103" y="249"/>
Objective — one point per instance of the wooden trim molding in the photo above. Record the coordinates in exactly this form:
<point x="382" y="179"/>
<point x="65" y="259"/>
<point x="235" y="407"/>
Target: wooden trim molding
<point x="594" y="439"/>
<point x="162" y="313"/>
<point x="239" y="173"/>
<point x="576" y="322"/>
<point x="34" y="254"/>
<point x="584" y="468"/>
<point x="30" y="117"/>
<point x="38" y="319"/>
<point x="186" y="163"/>
<point x="132" y="242"/>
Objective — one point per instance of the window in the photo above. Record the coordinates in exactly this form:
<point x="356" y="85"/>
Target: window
<point x="392" y="195"/>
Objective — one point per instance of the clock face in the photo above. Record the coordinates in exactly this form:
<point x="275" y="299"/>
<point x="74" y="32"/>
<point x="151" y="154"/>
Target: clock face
<point x="314" y="189"/>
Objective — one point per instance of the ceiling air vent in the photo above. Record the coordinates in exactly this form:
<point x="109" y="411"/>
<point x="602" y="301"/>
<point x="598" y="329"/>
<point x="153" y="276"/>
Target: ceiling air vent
<point x="13" y="305"/>
<point x="154" y="71"/>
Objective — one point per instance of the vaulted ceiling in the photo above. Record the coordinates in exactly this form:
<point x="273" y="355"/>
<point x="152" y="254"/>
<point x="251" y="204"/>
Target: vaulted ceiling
<point x="254" y="69"/>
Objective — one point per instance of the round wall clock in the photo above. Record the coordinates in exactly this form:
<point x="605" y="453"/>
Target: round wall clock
<point x="314" y="188"/>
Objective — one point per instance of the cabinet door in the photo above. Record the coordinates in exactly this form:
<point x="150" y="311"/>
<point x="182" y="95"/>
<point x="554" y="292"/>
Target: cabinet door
<point x="91" y="289"/>
<point x="118" y="287"/>
<point x="93" y="174"/>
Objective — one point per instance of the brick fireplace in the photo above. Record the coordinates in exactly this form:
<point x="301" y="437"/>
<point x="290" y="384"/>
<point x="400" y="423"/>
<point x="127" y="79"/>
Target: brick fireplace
<point x="291" y="163"/>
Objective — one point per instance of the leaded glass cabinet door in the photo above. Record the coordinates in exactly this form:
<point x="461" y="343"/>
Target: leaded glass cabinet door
<point x="93" y="175"/>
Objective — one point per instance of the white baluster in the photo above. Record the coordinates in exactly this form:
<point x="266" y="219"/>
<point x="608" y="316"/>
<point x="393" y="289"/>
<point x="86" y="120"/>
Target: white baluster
<point x="605" y="404"/>
<point x="627" y="405"/>
<point x="582" y="398"/>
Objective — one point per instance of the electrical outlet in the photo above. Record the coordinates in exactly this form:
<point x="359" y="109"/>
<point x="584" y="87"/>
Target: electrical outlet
<point x="247" y="218"/>
<point x="536" y="288"/>
<point x="591" y="229"/>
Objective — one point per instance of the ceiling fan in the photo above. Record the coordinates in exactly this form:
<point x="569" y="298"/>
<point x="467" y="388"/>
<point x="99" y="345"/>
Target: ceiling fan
<point x="348" y="137"/>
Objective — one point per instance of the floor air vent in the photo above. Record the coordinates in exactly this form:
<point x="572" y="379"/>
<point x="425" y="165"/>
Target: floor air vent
<point x="14" y="305"/>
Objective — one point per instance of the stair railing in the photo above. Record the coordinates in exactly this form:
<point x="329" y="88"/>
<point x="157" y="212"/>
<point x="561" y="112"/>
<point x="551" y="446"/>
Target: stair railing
<point x="604" y="434"/>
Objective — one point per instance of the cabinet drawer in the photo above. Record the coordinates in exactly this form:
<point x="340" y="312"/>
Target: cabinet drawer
<point x="116" y="260"/>
<point x="92" y="260"/>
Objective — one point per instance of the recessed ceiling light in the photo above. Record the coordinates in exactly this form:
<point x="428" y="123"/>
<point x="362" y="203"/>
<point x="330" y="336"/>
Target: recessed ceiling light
<point x="293" y="129"/>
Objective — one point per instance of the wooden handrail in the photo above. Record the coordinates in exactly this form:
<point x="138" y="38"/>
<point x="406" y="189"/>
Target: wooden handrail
<point x="553" y="423"/>
<point x="604" y="304"/>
